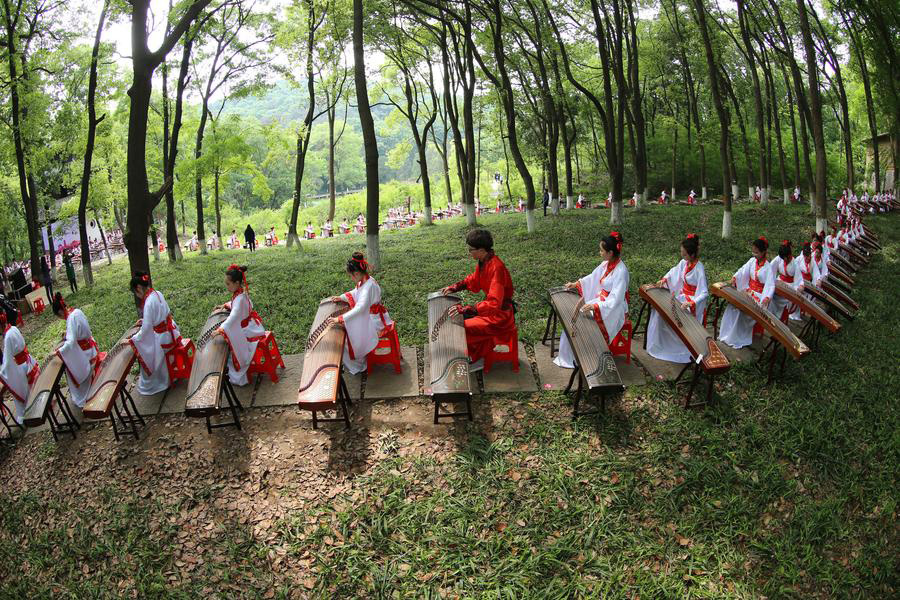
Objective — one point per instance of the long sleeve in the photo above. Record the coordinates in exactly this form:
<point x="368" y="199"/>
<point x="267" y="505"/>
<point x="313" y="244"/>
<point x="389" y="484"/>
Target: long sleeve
<point x="742" y="275"/>
<point x="768" y="281"/>
<point x="702" y="293"/>
<point x="361" y="305"/>
<point x="493" y="296"/>
<point x="673" y="276"/>
<point x="616" y="295"/>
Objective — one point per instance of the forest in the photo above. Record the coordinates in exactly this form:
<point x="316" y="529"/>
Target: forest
<point x="217" y="113"/>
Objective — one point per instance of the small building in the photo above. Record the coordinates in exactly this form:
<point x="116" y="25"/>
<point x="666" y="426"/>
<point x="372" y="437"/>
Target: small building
<point x="887" y="162"/>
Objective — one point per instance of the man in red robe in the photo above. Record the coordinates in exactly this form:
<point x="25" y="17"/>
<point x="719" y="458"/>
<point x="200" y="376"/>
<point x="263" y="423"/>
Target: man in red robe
<point x="493" y="317"/>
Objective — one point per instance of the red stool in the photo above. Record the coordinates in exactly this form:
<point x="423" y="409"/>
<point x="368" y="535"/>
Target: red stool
<point x="621" y="344"/>
<point x="267" y="358"/>
<point x="180" y="360"/>
<point x="19" y="322"/>
<point x="39" y="306"/>
<point x="510" y="355"/>
<point x="387" y="339"/>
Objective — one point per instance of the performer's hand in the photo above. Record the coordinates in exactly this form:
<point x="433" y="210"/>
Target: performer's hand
<point x="139" y="323"/>
<point x="587" y="308"/>
<point x="686" y="306"/>
<point x="663" y="282"/>
<point x="734" y="281"/>
<point x="218" y="332"/>
<point x="800" y="288"/>
<point x="456" y="309"/>
<point x="446" y="290"/>
<point x="336" y="299"/>
<point x="572" y="285"/>
<point x="765" y="302"/>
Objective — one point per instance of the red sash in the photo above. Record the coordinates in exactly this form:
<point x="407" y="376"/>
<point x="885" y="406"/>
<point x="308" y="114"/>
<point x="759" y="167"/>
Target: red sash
<point x="756" y="285"/>
<point x="380" y="310"/>
<point x="786" y="278"/>
<point x="88" y="343"/>
<point x="164" y="326"/>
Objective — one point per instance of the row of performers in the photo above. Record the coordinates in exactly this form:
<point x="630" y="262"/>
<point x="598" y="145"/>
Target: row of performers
<point x="604" y="291"/>
<point x="849" y="203"/>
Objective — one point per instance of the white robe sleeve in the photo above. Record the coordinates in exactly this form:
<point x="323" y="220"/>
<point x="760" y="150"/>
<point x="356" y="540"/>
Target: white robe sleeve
<point x="742" y="275"/>
<point x="701" y="296"/>
<point x="242" y="349"/>
<point x="145" y="341"/>
<point x="361" y="332"/>
<point x="590" y="284"/>
<point x="614" y="307"/>
<point x="768" y="279"/>
<point x="673" y="277"/>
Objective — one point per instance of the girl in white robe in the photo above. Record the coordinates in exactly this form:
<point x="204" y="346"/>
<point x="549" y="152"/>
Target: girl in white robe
<point x="79" y="351"/>
<point x="687" y="283"/>
<point x="158" y="335"/>
<point x="806" y="266"/>
<point x="758" y="280"/>
<point x="784" y="270"/>
<point x="366" y="318"/>
<point x="19" y="370"/>
<point x="605" y="296"/>
<point x="243" y="329"/>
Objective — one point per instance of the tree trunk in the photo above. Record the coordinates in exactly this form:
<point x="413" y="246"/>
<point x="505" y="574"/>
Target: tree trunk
<point x="791" y="112"/>
<point x="93" y="121"/>
<point x="870" y="104"/>
<point x="332" y="192"/>
<point x="102" y="236"/>
<point x="757" y="101"/>
<point x="721" y="111"/>
<point x="198" y="178"/>
<point x="170" y="148"/>
<point x="816" y="118"/>
<point x="370" y="142"/>
<point x="304" y="138"/>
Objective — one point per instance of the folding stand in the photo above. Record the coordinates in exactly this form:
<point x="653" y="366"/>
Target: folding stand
<point x="440" y="400"/>
<point x="128" y="423"/>
<point x="343" y="399"/>
<point x="227" y="390"/>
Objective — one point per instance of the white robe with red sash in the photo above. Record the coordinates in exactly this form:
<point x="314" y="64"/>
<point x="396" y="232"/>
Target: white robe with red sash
<point x="79" y="353"/>
<point x="18" y="371"/>
<point x="243" y="331"/>
<point x="605" y="290"/>
<point x="364" y="321"/>
<point x="759" y="282"/>
<point x="786" y="273"/>
<point x="158" y="334"/>
<point x="809" y="274"/>
<point x="687" y="283"/>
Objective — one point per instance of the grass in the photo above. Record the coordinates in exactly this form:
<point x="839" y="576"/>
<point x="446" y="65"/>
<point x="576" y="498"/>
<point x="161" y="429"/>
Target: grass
<point x="783" y="491"/>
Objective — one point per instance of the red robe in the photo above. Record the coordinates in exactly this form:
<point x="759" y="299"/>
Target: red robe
<point x="493" y="317"/>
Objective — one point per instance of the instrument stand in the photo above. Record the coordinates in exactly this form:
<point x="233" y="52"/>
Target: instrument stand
<point x="775" y="349"/>
<point x="811" y="330"/>
<point x="227" y="390"/>
<point x="637" y="324"/>
<point x="6" y="423"/>
<point x="710" y="385"/>
<point x="575" y="414"/>
<point x="128" y="423"/>
<point x="66" y="422"/>
<point x="550" y="332"/>
<point x="446" y="398"/>
<point x="343" y="399"/>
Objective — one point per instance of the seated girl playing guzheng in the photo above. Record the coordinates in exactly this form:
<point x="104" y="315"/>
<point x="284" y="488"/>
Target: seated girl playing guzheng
<point x="243" y="329"/>
<point x="366" y="318"/>
<point x="757" y="279"/>
<point x="492" y="319"/>
<point x="808" y="271"/>
<point x="687" y="283"/>
<point x="19" y="370"/>
<point x="79" y="352"/>
<point x="821" y="260"/>
<point x="785" y="270"/>
<point x="159" y="334"/>
<point x="604" y="292"/>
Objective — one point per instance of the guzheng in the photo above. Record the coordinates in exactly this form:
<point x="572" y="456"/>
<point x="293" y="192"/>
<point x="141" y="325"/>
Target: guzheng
<point x="773" y="326"/>
<point x="113" y="371"/>
<point x="841" y="274"/>
<point x="829" y="300"/>
<point x="321" y="376"/>
<point x="842" y="297"/>
<point x="591" y="350"/>
<point x="806" y="305"/>
<point x="853" y="253"/>
<point x="447" y="348"/>
<point x="205" y="384"/>
<point x="691" y="333"/>
<point x="842" y="262"/>
<point x="41" y="394"/>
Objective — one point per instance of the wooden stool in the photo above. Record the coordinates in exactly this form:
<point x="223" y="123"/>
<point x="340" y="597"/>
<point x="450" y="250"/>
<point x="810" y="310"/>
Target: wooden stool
<point x="39" y="306"/>
<point x="267" y="358"/>
<point x="386" y="339"/>
<point x="621" y="344"/>
<point x="511" y="355"/>
<point x="180" y="360"/>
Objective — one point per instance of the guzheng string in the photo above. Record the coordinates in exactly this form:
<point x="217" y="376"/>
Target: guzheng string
<point x="435" y="331"/>
<point x="675" y="314"/>
<point x="575" y="314"/>
<point x="207" y="335"/>
<point x="317" y="334"/>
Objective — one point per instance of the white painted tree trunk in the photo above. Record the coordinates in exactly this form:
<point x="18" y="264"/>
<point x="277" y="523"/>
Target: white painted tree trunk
<point x="615" y="213"/>
<point x="726" y="224"/>
<point x="202" y="244"/>
<point x="178" y="254"/>
<point x="764" y="195"/>
<point x="703" y="193"/>
<point x="529" y="220"/>
<point x="570" y="202"/>
<point x="821" y="224"/>
<point x="428" y="215"/>
<point x="644" y="195"/>
<point x="373" y="253"/>
<point x="672" y="199"/>
<point x="470" y="214"/>
<point x="750" y="192"/>
<point x="734" y="191"/>
<point x="292" y="239"/>
<point x="554" y="205"/>
<point x="787" y="196"/>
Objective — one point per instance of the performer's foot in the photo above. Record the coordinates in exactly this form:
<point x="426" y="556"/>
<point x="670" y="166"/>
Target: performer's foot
<point x="477" y="365"/>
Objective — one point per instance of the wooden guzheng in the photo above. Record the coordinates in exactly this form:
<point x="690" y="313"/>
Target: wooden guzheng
<point x="853" y="253"/>
<point x="448" y="355"/>
<point x="594" y="362"/>
<point x="40" y="396"/>
<point x="321" y="384"/>
<point x="773" y="326"/>
<point x="841" y="296"/>
<point x="111" y="378"/>
<point x="842" y="263"/>
<point x="205" y="384"/>
<point x="829" y="300"/>
<point x="691" y="333"/>
<point x="807" y="306"/>
<point x="841" y="274"/>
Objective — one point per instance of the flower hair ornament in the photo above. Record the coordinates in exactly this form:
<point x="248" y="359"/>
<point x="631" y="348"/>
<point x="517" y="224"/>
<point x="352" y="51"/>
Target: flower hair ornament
<point x="616" y="236"/>
<point x="234" y="267"/>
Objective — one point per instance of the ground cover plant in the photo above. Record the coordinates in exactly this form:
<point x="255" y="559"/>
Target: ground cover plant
<point x="778" y="491"/>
